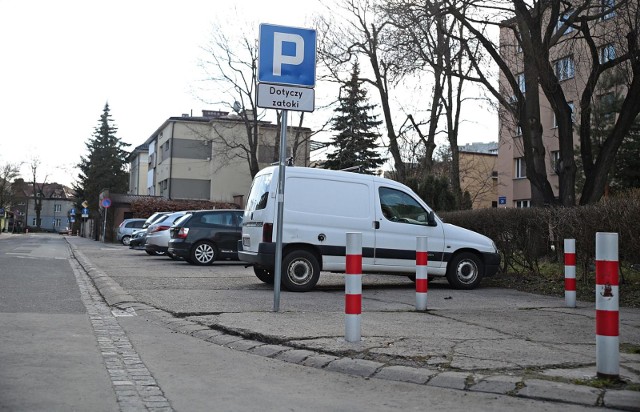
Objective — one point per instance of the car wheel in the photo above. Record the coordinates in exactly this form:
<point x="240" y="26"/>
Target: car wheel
<point x="154" y="253"/>
<point x="203" y="253"/>
<point x="126" y="240"/>
<point x="300" y="271"/>
<point x="465" y="271"/>
<point x="265" y="275"/>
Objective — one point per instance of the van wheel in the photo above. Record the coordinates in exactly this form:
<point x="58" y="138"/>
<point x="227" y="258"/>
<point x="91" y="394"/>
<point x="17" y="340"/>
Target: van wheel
<point x="203" y="253"/>
<point x="300" y="271"/>
<point x="265" y="275"/>
<point x="465" y="271"/>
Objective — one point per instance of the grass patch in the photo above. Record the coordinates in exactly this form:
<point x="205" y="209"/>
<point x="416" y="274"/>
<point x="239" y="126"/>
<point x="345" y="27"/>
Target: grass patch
<point x="550" y="281"/>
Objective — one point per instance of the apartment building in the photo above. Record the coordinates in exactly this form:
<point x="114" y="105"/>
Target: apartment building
<point x="571" y="61"/>
<point x="478" y="174"/>
<point x="138" y="168"/>
<point x="56" y="201"/>
<point x="198" y="157"/>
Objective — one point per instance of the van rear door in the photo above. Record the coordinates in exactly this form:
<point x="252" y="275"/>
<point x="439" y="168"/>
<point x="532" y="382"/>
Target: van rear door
<point x="256" y="213"/>
<point x="401" y="219"/>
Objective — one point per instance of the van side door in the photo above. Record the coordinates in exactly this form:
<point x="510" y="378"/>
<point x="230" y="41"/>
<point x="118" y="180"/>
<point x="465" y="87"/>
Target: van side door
<point x="400" y="220"/>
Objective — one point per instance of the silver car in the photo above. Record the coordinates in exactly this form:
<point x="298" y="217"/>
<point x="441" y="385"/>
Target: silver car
<point x="157" y="241"/>
<point x="126" y="229"/>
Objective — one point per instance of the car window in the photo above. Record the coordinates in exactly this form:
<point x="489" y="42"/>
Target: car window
<point x="138" y="224"/>
<point x="259" y="194"/>
<point x="398" y="206"/>
<point x="183" y="219"/>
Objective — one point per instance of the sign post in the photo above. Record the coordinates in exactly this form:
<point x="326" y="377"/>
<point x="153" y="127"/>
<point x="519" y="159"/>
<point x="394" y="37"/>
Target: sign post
<point x="105" y="203"/>
<point x="286" y="78"/>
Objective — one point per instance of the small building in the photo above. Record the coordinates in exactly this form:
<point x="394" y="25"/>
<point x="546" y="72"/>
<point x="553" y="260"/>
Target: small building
<point x="55" y="201"/>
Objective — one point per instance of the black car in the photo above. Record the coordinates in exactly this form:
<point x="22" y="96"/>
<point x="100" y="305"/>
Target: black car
<point x="204" y="236"/>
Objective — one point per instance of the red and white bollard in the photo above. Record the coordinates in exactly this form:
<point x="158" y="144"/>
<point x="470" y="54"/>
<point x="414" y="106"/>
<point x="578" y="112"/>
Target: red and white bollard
<point x="607" y="310"/>
<point x="353" y="287"/>
<point x="422" y="280"/>
<point x="570" y="272"/>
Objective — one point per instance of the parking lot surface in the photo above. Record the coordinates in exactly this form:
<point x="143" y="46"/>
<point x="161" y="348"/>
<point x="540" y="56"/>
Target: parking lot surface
<point x="489" y="340"/>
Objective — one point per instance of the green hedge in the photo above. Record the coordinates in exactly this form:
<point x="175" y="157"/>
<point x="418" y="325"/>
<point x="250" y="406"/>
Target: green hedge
<point x="526" y="237"/>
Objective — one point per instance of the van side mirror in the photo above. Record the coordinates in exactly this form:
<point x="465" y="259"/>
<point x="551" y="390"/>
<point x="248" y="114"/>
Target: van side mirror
<point x="431" y="219"/>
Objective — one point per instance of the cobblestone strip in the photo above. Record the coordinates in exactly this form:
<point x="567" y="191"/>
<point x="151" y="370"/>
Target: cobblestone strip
<point x="135" y="388"/>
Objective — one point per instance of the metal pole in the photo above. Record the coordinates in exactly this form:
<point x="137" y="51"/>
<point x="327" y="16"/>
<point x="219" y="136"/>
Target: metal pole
<point x="104" y="226"/>
<point x="281" y="172"/>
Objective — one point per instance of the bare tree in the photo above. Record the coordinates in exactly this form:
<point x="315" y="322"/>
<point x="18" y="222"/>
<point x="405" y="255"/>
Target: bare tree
<point x="8" y="173"/>
<point x="232" y="69"/>
<point x="427" y="41"/>
<point x="37" y="189"/>
<point x="362" y="33"/>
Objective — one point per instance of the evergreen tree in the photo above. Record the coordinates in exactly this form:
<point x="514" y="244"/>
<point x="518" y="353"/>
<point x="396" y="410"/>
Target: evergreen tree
<point x="105" y="166"/>
<point x="356" y="140"/>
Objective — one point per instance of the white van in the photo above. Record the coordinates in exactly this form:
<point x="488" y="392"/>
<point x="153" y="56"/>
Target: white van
<point x="321" y="206"/>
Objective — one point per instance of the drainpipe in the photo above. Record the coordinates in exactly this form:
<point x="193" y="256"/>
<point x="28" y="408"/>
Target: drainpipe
<point x="173" y="124"/>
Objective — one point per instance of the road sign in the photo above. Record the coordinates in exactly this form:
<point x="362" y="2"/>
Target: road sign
<point x="271" y="96"/>
<point x="85" y="204"/>
<point x="287" y="55"/>
<point x="85" y="212"/>
<point x="72" y="211"/>
<point x="106" y="202"/>
<point x="502" y="200"/>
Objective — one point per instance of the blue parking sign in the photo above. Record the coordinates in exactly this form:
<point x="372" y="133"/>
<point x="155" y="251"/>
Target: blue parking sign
<point x="287" y="55"/>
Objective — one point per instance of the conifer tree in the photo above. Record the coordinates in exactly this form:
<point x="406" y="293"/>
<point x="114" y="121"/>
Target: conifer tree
<point x="105" y="166"/>
<point x="355" y="143"/>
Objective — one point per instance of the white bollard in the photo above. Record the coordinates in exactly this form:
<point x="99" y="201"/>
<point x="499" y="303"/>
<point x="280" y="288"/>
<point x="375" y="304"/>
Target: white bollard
<point x="607" y="310"/>
<point x="570" y="273"/>
<point x="422" y="280"/>
<point x="353" y="287"/>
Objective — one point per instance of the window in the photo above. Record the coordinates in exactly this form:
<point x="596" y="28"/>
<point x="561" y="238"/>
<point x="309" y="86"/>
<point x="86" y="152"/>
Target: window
<point x="606" y="7"/>
<point x="573" y="115"/>
<point x="607" y="53"/>
<point x="56" y="222"/>
<point x="562" y="19"/>
<point x="522" y="203"/>
<point x="521" y="169"/>
<point x="57" y="208"/>
<point x="565" y="68"/>
<point x="518" y="130"/>
<point x="521" y="83"/>
<point x="399" y="207"/>
<point x="166" y="146"/>
<point x="555" y="161"/>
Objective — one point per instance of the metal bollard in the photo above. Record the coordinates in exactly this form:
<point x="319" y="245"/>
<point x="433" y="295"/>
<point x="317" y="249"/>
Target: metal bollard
<point x="422" y="280"/>
<point x="353" y="287"/>
<point x="607" y="310"/>
<point x="570" y="273"/>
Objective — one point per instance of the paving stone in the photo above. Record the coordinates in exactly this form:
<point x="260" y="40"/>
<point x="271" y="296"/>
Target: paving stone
<point x="206" y="333"/>
<point x="496" y="384"/>
<point x="244" y="344"/>
<point x="295" y="355"/>
<point x="405" y="374"/>
<point x="269" y="350"/>
<point x="223" y="339"/>
<point x="559" y="391"/>
<point x="453" y="380"/>
<point x="319" y="360"/>
<point x="357" y="367"/>
<point x="625" y="400"/>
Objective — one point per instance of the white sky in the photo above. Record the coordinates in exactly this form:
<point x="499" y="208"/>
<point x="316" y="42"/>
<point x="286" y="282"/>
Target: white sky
<point x="62" y="60"/>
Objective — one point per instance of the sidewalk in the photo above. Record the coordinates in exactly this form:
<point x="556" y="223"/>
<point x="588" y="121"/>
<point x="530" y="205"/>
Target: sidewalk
<point x="488" y="340"/>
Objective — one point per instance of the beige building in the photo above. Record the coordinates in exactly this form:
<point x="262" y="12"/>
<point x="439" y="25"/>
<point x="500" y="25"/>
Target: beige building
<point x="138" y="168"/>
<point x="571" y="62"/>
<point x="478" y="174"/>
<point x="199" y="157"/>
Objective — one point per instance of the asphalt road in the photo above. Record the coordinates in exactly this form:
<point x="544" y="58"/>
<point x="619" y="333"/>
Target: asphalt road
<point x="64" y="348"/>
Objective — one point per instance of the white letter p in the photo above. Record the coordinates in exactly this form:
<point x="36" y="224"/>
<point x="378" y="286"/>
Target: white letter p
<point x="278" y="58"/>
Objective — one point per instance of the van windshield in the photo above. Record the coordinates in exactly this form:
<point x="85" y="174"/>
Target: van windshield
<point x="259" y="194"/>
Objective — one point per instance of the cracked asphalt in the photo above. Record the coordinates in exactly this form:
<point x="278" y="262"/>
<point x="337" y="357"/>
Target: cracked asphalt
<point x="489" y="340"/>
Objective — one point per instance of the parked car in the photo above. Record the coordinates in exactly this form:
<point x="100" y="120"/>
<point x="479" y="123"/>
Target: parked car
<point x="138" y="239"/>
<point x="126" y="228"/>
<point x="323" y="205"/>
<point x="157" y="239"/>
<point x="204" y="236"/>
